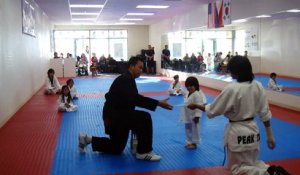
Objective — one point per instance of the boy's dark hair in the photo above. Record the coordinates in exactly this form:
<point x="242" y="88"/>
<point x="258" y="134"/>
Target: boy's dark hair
<point x="240" y="66"/>
<point x="69" y="81"/>
<point x="176" y="77"/>
<point x="273" y="74"/>
<point x="133" y="60"/>
<point x="50" y="71"/>
<point x="192" y="81"/>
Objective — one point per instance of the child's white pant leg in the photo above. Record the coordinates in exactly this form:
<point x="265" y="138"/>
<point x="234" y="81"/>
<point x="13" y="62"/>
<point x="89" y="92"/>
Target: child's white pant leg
<point x="188" y="132"/>
<point x="192" y="133"/>
<point x="195" y="133"/>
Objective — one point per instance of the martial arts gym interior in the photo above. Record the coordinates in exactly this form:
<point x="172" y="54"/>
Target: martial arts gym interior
<point x="91" y="43"/>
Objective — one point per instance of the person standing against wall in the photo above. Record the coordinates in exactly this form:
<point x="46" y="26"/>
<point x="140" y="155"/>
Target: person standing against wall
<point x="165" y="57"/>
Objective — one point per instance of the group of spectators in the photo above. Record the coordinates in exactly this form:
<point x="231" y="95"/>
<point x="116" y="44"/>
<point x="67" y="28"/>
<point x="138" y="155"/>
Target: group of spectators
<point x="94" y="65"/>
<point x="102" y="65"/>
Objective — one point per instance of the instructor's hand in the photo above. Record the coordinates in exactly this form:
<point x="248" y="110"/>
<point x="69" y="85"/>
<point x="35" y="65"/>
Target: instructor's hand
<point x="164" y="104"/>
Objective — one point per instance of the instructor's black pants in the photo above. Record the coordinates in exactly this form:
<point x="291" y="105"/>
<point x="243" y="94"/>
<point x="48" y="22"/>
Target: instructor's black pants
<point x="139" y="122"/>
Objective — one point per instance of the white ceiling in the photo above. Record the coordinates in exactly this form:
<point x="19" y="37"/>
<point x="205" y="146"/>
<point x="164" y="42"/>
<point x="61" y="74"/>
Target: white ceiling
<point x="59" y="10"/>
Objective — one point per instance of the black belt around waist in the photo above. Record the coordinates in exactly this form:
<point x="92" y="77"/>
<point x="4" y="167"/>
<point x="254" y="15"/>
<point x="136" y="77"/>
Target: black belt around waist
<point x="247" y="119"/>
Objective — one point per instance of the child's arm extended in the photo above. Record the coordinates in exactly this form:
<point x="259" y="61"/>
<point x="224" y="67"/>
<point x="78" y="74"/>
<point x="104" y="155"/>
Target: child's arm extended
<point x="269" y="132"/>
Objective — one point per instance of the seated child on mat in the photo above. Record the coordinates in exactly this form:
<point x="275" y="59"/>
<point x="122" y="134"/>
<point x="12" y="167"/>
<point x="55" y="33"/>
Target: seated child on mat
<point x="65" y="101"/>
<point x="273" y="83"/>
<point x="73" y="90"/>
<point x="52" y="83"/>
<point x="175" y="87"/>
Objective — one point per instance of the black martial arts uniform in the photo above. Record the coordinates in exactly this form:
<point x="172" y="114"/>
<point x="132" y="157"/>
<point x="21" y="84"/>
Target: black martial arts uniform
<point x="120" y="116"/>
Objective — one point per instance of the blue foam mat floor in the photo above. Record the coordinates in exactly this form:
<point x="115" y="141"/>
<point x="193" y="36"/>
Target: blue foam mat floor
<point x="168" y="137"/>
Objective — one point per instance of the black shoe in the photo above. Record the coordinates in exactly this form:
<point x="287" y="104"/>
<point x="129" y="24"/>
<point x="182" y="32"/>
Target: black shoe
<point x="277" y="170"/>
<point x="281" y="171"/>
<point x="271" y="170"/>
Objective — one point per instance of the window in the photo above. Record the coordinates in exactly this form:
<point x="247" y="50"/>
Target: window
<point x="101" y="42"/>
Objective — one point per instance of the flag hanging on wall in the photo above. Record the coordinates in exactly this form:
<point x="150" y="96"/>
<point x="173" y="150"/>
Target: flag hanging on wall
<point x="211" y="15"/>
<point x="219" y="13"/>
<point x="226" y="12"/>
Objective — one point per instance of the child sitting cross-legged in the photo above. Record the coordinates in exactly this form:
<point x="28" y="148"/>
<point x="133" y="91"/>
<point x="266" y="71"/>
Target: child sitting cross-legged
<point x="65" y="101"/>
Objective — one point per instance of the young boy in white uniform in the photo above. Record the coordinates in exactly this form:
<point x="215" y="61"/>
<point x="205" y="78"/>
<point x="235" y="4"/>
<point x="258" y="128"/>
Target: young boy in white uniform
<point x="190" y="117"/>
<point x="240" y="102"/>
<point x="272" y="84"/>
<point x="175" y="87"/>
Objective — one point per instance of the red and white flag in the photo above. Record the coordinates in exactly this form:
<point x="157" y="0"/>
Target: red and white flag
<point x="211" y="15"/>
<point x="220" y="14"/>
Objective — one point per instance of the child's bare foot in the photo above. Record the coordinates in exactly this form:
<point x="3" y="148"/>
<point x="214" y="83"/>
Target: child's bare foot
<point x="190" y="146"/>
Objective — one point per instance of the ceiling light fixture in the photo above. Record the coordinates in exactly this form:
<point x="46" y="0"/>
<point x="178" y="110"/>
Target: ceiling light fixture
<point x="263" y="16"/>
<point x="239" y="21"/>
<point x="140" y="14"/>
<point x="152" y="6"/>
<point x="85" y="6"/>
<point x="131" y="19"/>
<point x="83" y="19"/>
<point x="293" y="11"/>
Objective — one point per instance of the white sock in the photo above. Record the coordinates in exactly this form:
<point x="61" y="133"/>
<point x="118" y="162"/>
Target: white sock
<point x="88" y="139"/>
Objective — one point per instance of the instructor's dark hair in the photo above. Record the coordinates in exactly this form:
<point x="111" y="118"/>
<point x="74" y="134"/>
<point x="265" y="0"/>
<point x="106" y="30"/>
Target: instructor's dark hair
<point x="273" y="74"/>
<point x="133" y="60"/>
<point x="240" y="66"/>
<point x="176" y="77"/>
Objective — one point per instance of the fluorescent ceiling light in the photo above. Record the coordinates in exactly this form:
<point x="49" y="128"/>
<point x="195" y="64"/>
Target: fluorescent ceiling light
<point x="293" y="11"/>
<point x="152" y="6"/>
<point x="239" y="21"/>
<point x="83" y="19"/>
<point x="140" y="14"/>
<point x="85" y="6"/>
<point x="263" y="16"/>
<point x="124" y="23"/>
<point x="83" y="13"/>
<point x="131" y="19"/>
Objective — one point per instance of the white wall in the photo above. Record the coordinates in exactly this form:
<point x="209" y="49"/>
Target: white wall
<point x="245" y="8"/>
<point x="138" y="36"/>
<point x="278" y="43"/>
<point x="280" y="46"/>
<point x="23" y="59"/>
